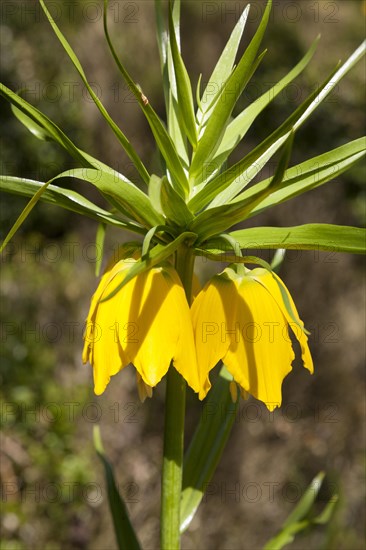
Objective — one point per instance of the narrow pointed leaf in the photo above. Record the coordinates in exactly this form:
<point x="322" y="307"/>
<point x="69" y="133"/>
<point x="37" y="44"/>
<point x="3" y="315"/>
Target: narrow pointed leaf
<point x="224" y="65"/>
<point x="184" y="89"/>
<point x="43" y="128"/>
<point x="38" y="123"/>
<point x="175" y="131"/>
<point x="231" y="92"/>
<point x="219" y="219"/>
<point x="99" y="245"/>
<point x="237" y="129"/>
<point x="155" y="193"/>
<point x="121" y="193"/>
<point x="207" y="446"/>
<point x="227" y="185"/>
<point x="343" y="70"/>
<point x="116" y="130"/>
<point x="308" y="175"/>
<point x="224" y="187"/>
<point x="125" y="534"/>
<point x="33" y="127"/>
<point x="162" y="138"/>
<point x="24" y="214"/>
<point x="223" y="255"/>
<point x="67" y="199"/>
<point x="174" y="207"/>
<point x="299" y="519"/>
<point x="314" y="236"/>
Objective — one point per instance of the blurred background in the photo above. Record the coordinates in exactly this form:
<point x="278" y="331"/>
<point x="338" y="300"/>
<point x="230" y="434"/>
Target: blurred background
<point x="53" y="493"/>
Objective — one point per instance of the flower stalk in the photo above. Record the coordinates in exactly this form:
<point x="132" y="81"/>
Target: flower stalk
<point x="172" y="473"/>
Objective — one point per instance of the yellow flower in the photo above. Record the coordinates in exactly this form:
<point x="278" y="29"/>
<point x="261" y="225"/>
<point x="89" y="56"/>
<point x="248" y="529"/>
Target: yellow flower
<point x="244" y="320"/>
<point x="146" y="323"/>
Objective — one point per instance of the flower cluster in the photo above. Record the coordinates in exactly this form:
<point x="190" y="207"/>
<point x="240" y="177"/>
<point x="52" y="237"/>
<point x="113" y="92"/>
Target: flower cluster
<point x="240" y="317"/>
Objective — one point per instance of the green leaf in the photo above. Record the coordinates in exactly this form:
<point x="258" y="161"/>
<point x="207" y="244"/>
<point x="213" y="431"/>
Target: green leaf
<point x="342" y="71"/>
<point x="125" y="534"/>
<point x="237" y="129"/>
<point x="24" y="214"/>
<point x="116" y="130"/>
<point x="308" y="175"/>
<point x="99" y="245"/>
<point x="207" y="445"/>
<point x="65" y="198"/>
<point x="174" y="207"/>
<point x="227" y="185"/>
<point x="156" y="255"/>
<point x="231" y="92"/>
<point x="161" y="34"/>
<point x="38" y="123"/>
<point x="314" y="236"/>
<point x="224" y="187"/>
<point x="155" y="193"/>
<point x="128" y="198"/>
<point x="219" y="219"/>
<point x="33" y="127"/>
<point x="278" y="259"/>
<point x="223" y="67"/>
<point x="43" y="128"/>
<point x="176" y="124"/>
<point x="162" y="138"/>
<point x="224" y="255"/>
<point x="300" y="520"/>
<point x="184" y="89"/>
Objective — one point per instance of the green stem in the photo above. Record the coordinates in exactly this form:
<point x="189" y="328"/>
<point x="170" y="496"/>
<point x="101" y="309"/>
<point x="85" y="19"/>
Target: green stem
<point x="171" y="487"/>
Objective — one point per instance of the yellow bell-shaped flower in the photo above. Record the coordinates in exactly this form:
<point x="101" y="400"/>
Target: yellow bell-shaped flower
<point x="146" y="323"/>
<point x="244" y="320"/>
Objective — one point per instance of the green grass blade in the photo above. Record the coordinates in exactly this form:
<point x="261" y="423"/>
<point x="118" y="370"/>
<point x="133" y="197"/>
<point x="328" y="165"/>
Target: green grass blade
<point x="308" y="175"/>
<point x="236" y="83"/>
<point x="67" y="199"/>
<point x="207" y="445"/>
<point x="314" y="236"/>
<point x="162" y="138"/>
<point x="125" y="534"/>
<point x="117" y="131"/>
<point x="223" y="67"/>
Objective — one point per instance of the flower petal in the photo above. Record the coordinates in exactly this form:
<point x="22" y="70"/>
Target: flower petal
<point x="277" y="288"/>
<point x="213" y="315"/>
<point x="262" y="356"/>
<point x="158" y="311"/>
<point x="185" y="358"/>
<point x="107" y="355"/>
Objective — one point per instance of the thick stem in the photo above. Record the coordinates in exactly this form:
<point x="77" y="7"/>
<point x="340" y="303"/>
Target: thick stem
<point x="174" y="431"/>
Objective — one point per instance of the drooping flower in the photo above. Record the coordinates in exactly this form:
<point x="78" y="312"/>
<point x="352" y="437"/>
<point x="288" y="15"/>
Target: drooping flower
<point x="244" y="320"/>
<point x="146" y="323"/>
